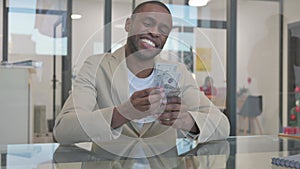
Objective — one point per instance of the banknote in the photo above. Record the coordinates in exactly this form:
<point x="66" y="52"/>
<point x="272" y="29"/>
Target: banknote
<point x="166" y="77"/>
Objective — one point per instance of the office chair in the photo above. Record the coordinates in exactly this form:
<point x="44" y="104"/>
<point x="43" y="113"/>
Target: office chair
<point x="249" y="112"/>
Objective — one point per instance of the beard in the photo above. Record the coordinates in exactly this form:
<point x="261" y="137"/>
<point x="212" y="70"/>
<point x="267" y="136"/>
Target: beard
<point x="139" y="52"/>
<point x="147" y="54"/>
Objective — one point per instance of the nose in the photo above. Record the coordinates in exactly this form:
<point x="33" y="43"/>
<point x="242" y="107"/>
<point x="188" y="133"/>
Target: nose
<point x="154" y="31"/>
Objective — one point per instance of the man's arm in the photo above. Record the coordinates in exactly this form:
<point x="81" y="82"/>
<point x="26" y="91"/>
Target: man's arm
<point x="81" y="119"/>
<point x="117" y="119"/>
<point x="74" y="124"/>
<point x="193" y="112"/>
<point x="212" y="123"/>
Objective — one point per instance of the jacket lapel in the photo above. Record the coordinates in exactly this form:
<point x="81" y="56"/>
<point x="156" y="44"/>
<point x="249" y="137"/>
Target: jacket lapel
<point x="145" y="128"/>
<point x="119" y="81"/>
<point x="142" y="131"/>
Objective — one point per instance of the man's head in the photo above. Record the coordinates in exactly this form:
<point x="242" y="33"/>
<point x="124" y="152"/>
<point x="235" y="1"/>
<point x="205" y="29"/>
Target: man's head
<point x="137" y="8"/>
<point x="148" y="29"/>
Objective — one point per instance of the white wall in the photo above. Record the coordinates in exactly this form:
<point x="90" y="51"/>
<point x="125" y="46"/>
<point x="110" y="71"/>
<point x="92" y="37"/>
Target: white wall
<point x="87" y="32"/>
<point x="258" y="56"/>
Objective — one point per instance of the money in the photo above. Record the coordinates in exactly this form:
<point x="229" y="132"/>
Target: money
<point x="167" y="78"/>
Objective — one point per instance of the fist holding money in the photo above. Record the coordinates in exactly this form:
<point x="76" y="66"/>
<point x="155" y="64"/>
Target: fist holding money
<point x="166" y="78"/>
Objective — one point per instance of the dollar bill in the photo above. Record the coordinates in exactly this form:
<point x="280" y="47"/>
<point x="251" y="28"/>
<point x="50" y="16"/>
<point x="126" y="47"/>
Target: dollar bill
<point x="167" y="77"/>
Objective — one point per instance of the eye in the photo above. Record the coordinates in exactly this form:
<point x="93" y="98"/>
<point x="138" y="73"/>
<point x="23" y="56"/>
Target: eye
<point x="147" y="23"/>
<point x="164" y="30"/>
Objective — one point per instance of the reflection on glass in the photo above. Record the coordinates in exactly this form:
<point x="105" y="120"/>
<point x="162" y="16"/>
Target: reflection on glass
<point x="205" y="156"/>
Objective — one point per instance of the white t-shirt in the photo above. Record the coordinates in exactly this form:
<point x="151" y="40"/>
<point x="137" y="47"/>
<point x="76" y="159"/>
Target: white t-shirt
<point x="137" y="84"/>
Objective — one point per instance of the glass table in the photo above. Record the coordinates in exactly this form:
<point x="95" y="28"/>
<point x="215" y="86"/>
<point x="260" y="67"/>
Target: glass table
<point x="240" y="152"/>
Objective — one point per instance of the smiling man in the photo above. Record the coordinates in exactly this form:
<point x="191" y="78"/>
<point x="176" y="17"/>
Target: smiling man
<point x="119" y="96"/>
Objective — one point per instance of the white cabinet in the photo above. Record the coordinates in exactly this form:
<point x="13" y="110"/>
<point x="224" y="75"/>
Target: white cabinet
<point x="15" y="106"/>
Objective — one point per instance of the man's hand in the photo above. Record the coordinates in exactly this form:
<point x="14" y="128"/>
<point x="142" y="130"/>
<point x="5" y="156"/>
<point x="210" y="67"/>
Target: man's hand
<point x="148" y="101"/>
<point x="176" y="115"/>
<point x="141" y="104"/>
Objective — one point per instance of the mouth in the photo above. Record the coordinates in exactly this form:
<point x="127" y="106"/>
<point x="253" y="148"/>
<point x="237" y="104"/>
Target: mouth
<point x="148" y="44"/>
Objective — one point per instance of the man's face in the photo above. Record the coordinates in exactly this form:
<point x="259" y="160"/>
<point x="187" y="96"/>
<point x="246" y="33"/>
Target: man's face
<point x="148" y="31"/>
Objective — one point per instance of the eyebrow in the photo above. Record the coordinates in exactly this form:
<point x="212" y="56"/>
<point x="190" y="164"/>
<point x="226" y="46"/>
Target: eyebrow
<point x="155" y="20"/>
<point x="150" y="18"/>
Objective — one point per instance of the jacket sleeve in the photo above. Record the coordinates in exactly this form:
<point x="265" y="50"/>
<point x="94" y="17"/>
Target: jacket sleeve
<point x="80" y="119"/>
<point x="212" y="123"/>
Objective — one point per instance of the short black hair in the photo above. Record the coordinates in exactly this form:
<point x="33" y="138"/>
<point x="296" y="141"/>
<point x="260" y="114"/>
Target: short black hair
<point x="136" y="9"/>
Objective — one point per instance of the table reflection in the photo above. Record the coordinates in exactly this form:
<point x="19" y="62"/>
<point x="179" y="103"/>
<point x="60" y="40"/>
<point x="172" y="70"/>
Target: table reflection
<point x="184" y="155"/>
<point x="246" y="152"/>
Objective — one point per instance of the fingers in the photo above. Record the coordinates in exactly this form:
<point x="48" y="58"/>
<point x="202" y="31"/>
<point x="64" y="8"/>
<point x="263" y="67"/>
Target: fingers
<point x="172" y="107"/>
<point x="168" y="119"/>
<point x="154" y="98"/>
<point x="171" y="111"/>
<point x="174" y="99"/>
<point x="169" y="116"/>
<point x="148" y="99"/>
<point x="147" y="96"/>
<point x="153" y="107"/>
<point x="168" y="122"/>
<point x="177" y="116"/>
<point x="147" y="92"/>
<point x="181" y="120"/>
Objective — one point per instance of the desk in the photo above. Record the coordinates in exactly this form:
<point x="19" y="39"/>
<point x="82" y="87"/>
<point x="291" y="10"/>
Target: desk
<point x="241" y="152"/>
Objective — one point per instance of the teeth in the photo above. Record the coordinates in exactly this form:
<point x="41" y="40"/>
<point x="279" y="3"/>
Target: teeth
<point x="149" y="42"/>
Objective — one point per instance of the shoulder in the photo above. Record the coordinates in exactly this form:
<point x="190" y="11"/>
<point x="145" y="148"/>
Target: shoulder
<point x="92" y="64"/>
<point x="97" y="59"/>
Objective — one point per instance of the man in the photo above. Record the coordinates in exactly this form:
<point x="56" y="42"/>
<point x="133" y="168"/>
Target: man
<point x="114" y="94"/>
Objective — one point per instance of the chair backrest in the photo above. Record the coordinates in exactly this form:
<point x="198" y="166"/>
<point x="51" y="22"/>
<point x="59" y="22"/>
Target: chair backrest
<point x="252" y="106"/>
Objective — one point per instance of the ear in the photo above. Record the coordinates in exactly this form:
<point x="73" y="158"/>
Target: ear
<point x="127" y="24"/>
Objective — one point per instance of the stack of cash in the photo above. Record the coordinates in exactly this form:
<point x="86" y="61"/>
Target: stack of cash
<point x="167" y="78"/>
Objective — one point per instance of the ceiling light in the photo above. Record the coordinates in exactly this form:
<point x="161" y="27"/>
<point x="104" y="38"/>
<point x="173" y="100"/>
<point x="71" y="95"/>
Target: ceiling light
<point x="198" y="2"/>
<point x="76" y="16"/>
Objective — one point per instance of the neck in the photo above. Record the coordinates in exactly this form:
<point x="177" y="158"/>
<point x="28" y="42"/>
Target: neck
<point x="139" y="67"/>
